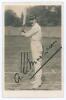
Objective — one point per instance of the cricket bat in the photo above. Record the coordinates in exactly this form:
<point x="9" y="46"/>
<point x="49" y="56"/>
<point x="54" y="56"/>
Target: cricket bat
<point x="24" y="19"/>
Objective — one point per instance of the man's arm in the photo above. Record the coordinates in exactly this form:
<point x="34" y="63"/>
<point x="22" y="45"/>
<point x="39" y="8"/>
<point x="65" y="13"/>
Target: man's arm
<point x="33" y="31"/>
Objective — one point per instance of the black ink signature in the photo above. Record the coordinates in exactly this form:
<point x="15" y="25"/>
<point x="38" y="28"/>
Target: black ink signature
<point x="40" y="57"/>
<point x="34" y="62"/>
<point x="46" y="62"/>
<point x="17" y="76"/>
<point x="49" y="47"/>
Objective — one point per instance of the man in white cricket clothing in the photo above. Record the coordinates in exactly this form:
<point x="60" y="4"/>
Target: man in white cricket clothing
<point x="35" y="36"/>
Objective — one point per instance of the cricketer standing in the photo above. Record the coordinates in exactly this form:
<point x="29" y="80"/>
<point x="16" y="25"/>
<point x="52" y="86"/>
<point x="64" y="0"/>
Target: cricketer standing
<point x="35" y="36"/>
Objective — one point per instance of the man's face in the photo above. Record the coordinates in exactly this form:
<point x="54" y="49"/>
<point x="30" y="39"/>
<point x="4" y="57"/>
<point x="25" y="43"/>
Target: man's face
<point x="33" y="21"/>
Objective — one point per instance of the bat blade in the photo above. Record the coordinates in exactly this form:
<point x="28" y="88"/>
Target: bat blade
<point x="24" y="16"/>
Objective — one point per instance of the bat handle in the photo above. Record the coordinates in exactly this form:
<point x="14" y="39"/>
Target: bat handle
<point x="23" y="29"/>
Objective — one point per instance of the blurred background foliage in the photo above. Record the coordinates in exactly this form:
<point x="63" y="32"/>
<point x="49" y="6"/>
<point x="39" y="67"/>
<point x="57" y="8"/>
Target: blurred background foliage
<point x="46" y="15"/>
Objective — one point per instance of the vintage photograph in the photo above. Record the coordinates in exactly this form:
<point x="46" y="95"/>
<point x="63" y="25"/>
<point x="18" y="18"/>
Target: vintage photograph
<point x="33" y="47"/>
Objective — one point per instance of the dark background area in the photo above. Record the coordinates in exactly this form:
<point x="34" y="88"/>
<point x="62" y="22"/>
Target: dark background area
<point x="46" y="15"/>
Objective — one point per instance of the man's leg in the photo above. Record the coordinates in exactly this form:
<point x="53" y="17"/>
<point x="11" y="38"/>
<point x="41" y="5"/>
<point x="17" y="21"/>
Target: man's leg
<point x="37" y="81"/>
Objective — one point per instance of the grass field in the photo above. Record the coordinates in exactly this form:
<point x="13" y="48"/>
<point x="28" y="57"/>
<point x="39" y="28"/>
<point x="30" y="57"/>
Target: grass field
<point x="51" y="77"/>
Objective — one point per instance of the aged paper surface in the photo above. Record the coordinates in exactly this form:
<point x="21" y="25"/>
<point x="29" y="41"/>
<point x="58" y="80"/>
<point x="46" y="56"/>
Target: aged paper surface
<point x="33" y="50"/>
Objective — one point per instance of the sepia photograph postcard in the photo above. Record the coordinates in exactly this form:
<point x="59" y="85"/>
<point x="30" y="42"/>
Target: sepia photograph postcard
<point x="33" y="49"/>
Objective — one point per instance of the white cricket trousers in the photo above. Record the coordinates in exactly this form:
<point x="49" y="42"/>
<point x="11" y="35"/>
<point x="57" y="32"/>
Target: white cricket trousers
<point x="36" y="49"/>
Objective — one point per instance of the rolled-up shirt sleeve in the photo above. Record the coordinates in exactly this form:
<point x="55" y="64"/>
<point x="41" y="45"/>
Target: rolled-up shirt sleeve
<point x="33" y="31"/>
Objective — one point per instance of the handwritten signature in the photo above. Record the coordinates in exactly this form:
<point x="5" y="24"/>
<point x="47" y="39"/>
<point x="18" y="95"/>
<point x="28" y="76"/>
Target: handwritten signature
<point x="18" y="77"/>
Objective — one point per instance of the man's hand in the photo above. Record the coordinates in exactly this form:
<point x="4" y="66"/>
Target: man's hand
<point x="22" y="33"/>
